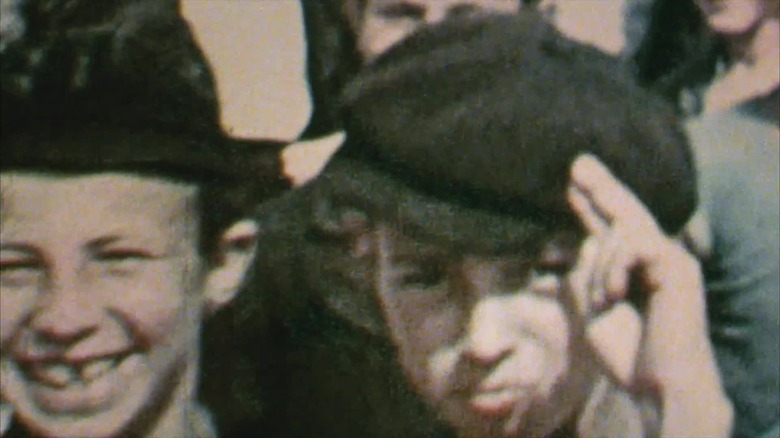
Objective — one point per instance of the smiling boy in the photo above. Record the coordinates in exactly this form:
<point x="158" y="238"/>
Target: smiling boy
<point x="126" y="220"/>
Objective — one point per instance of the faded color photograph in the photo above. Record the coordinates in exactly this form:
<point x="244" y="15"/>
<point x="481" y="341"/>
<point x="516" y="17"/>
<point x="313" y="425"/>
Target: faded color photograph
<point x="390" y="218"/>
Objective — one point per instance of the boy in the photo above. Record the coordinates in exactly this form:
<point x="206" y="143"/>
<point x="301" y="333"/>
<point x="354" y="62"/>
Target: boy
<point x="126" y="220"/>
<point x="452" y="275"/>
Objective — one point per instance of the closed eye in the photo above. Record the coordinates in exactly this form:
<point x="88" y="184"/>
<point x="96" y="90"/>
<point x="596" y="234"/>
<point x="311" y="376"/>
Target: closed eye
<point x="116" y="255"/>
<point x="122" y="261"/>
<point x="19" y="272"/>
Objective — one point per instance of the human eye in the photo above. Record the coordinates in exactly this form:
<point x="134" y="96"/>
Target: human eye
<point x="548" y="273"/>
<point x="514" y="272"/>
<point x="19" y="270"/>
<point x="530" y="3"/>
<point x="466" y="11"/>
<point x="420" y="267"/>
<point x="557" y="267"/>
<point x="423" y="274"/>
<point x="401" y="11"/>
<point x="122" y="260"/>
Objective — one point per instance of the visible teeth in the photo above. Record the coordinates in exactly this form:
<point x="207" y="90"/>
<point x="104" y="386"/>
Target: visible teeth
<point x="95" y="369"/>
<point x="54" y="374"/>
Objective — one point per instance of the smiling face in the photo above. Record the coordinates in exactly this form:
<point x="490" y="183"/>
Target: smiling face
<point x="102" y="296"/>
<point x="485" y="340"/>
<point x="384" y="23"/>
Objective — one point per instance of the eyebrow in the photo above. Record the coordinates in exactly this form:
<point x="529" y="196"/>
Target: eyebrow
<point x="19" y="247"/>
<point x="111" y="239"/>
<point x="103" y="241"/>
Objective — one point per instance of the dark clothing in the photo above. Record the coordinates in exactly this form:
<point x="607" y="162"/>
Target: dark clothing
<point x="301" y="370"/>
<point x="327" y="378"/>
<point x="15" y="431"/>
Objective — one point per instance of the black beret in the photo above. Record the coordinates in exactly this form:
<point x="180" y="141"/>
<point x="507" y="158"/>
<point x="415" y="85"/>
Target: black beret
<point x="487" y="116"/>
<point x="116" y="84"/>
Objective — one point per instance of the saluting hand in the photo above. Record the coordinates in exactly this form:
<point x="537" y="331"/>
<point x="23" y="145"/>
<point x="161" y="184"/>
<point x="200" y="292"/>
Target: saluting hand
<point x="626" y="251"/>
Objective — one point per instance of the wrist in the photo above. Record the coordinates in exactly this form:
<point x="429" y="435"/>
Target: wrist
<point x="694" y="404"/>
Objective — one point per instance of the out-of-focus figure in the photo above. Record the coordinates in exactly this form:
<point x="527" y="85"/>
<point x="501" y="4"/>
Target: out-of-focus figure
<point x="712" y="55"/>
<point x="718" y="61"/>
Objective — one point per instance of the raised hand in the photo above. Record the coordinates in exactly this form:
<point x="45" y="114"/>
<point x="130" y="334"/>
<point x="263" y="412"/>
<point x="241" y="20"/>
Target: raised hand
<point x="626" y="251"/>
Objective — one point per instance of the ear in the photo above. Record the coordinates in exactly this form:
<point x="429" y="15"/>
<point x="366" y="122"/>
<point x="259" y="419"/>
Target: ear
<point x="234" y="253"/>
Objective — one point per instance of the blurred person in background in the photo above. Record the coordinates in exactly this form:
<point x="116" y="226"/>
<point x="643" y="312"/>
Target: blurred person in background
<point x="710" y="55"/>
<point x="343" y="35"/>
<point x="718" y="61"/>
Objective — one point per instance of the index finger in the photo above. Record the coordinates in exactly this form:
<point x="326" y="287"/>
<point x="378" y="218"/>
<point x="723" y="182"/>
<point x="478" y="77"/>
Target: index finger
<point x="607" y="196"/>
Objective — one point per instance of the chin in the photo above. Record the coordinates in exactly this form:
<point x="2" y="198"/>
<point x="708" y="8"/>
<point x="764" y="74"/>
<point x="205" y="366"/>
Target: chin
<point x="467" y="423"/>
<point x="103" y="425"/>
<point x="735" y="18"/>
<point x="41" y="411"/>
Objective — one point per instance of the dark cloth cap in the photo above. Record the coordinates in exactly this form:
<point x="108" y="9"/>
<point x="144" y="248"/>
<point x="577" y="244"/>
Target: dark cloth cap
<point x="489" y="114"/>
<point x="116" y="84"/>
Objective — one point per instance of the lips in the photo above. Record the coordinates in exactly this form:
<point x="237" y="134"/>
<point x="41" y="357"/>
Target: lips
<point x="499" y="403"/>
<point x="78" y="388"/>
<point x="496" y="404"/>
<point x="59" y="373"/>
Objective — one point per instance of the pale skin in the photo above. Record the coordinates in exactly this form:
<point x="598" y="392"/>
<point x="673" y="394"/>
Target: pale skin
<point x="484" y="338"/>
<point x="103" y="293"/>
<point x="676" y="358"/>
<point x="488" y="340"/>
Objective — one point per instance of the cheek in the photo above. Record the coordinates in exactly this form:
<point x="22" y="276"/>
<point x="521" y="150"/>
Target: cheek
<point x="15" y="307"/>
<point x="542" y="340"/>
<point x="159" y="305"/>
<point x="425" y="330"/>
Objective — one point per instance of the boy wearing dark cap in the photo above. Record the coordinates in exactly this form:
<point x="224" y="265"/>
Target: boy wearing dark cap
<point x="458" y="237"/>
<point x="126" y="219"/>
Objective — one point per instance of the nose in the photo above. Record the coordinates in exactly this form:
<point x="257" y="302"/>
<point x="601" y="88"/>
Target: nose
<point x="66" y="313"/>
<point x="488" y="338"/>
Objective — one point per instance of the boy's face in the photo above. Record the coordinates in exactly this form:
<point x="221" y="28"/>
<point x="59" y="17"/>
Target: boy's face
<point x="102" y="291"/>
<point x="386" y="22"/>
<point x="486" y="340"/>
